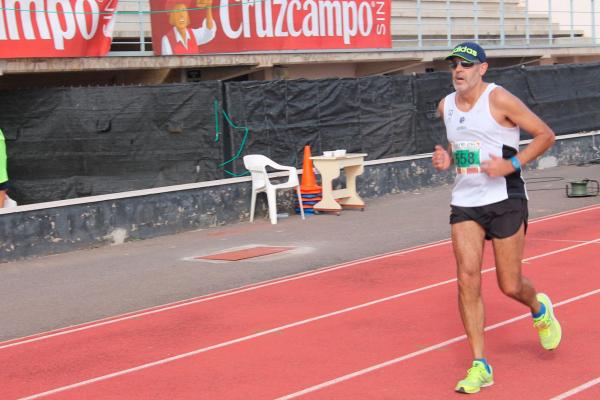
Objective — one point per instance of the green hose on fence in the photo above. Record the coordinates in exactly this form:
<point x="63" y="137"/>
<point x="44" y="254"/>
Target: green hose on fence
<point x="217" y="135"/>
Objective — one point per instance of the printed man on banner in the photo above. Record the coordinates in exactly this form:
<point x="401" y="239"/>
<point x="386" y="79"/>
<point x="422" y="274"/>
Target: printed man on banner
<point x="182" y="39"/>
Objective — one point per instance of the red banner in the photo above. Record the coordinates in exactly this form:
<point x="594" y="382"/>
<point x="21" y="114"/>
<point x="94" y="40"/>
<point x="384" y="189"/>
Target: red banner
<point x="56" y="28"/>
<point x="226" y="26"/>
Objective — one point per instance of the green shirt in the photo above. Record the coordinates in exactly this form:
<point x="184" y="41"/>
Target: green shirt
<point x="3" y="158"/>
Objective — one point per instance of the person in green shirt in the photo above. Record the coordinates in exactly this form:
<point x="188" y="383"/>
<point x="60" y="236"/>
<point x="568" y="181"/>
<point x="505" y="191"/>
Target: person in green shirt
<point x="3" y="171"/>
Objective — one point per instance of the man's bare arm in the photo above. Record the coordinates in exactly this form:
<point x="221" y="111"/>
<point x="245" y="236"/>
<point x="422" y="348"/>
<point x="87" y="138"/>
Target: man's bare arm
<point x="441" y="158"/>
<point x="508" y="105"/>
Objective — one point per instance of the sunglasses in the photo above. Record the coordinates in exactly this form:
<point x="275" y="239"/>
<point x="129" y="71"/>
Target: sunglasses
<point x="464" y="64"/>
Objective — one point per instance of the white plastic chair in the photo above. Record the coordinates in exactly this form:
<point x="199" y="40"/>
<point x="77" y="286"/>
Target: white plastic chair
<point x="256" y="164"/>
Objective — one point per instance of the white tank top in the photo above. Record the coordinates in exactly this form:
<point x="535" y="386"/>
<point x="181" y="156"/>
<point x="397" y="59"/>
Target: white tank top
<point x="473" y="136"/>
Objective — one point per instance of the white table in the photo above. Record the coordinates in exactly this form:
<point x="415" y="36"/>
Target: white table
<point x="329" y="168"/>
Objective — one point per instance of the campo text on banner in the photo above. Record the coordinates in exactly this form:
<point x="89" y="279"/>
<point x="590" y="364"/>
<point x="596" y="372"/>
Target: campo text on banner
<point x="56" y="28"/>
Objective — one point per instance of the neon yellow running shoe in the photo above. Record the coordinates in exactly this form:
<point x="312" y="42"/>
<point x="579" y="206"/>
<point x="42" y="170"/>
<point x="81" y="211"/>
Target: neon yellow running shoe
<point x="477" y="377"/>
<point x="547" y="325"/>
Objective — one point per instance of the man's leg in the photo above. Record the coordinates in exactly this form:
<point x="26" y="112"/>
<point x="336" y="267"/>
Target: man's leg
<point x="2" y="198"/>
<point x="467" y="240"/>
<point x="508" y="253"/>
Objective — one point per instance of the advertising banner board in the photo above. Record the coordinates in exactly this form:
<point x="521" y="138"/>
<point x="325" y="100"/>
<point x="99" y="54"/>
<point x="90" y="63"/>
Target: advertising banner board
<point x="235" y="26"/>
<point x="56" y="28"/>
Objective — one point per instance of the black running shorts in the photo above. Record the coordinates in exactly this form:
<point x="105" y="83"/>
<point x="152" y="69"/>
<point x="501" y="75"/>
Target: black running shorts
<point x="499" y="220"/>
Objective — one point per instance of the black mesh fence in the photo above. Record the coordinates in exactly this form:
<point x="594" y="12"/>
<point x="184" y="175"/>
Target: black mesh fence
<point x="72" y="142"/>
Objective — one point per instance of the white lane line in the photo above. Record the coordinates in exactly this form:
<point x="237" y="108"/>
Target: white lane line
<point x="594" y="241"/>
<point x="420" y="352"/>
<point x="555" y="240"/>
<point x="276" y="329"/>
<point x="184" y="303"/>
<point x="243" y="289"/>
<point x="577" y="390"/>
<point x="565" y="213"/>
<point x="234" y="341"/>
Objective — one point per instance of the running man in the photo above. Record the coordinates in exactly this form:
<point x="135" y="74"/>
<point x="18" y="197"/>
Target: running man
<point x="489" y="200"/>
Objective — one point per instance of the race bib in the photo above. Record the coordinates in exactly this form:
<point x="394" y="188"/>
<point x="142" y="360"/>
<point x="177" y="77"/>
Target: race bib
<point x="466" y="157"/>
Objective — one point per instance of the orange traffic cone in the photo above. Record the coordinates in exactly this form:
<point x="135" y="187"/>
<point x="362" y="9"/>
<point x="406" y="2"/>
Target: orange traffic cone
<point x="311" y="192"/>
<point x="309" y="181"/>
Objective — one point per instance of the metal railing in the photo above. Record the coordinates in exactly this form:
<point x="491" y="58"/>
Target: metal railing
<point x="431" y="24"/>
<point x="502" y="24"/>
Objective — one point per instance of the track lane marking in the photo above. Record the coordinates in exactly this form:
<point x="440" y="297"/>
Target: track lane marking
<point x="304" y="322"/>
<point x="430" y="349"/>
<point x="183" y="303"/>
<point x="243" y="289"/>
<point x="577" y="389"/>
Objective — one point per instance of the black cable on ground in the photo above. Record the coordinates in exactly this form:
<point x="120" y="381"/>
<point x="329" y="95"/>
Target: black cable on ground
<point x="543" y="179"/>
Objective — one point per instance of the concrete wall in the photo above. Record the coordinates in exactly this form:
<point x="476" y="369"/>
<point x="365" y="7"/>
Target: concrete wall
<point x="55" y="227"/>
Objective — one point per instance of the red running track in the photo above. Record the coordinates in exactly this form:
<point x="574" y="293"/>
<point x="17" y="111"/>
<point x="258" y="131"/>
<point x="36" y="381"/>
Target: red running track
<point x="383" y="327"/>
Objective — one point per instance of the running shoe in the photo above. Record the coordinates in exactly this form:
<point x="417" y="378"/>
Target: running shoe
<point x="547" y="325"/>
<point x="477" y="377"/>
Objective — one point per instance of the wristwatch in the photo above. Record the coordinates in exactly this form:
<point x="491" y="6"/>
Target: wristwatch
<point x="515" y="163"/>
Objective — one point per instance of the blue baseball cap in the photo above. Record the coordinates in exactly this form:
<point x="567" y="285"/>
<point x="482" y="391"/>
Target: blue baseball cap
<point x="469" y="51"/>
